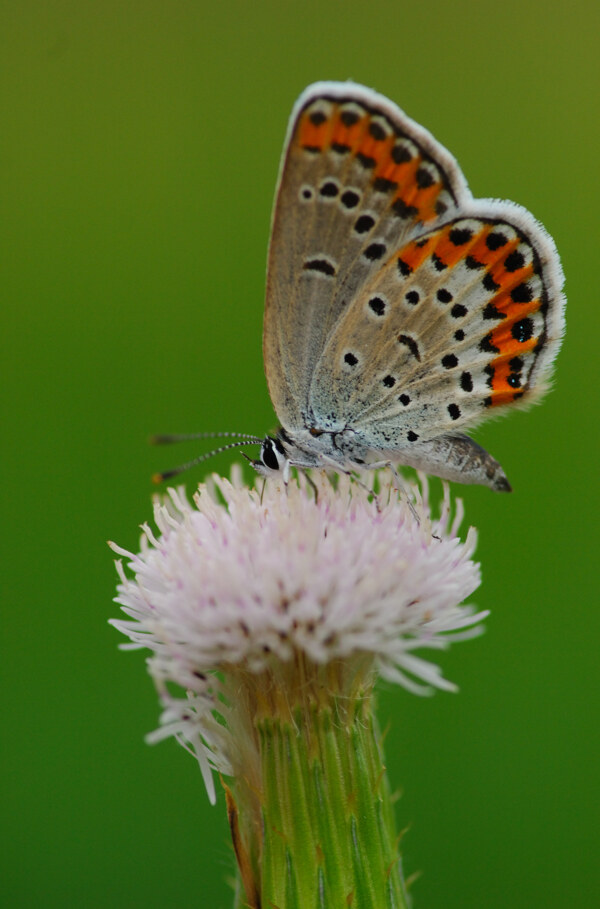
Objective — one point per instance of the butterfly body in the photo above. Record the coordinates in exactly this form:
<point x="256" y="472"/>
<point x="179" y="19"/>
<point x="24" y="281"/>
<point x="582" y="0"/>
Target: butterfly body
<point x="456" y="457"/>
<point x="399" y="311"/>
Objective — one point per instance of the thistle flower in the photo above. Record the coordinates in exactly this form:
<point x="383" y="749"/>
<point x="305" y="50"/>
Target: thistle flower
<point x="273" y="612"/>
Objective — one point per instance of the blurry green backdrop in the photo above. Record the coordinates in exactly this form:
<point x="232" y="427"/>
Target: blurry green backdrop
<point x="139" y="151"/>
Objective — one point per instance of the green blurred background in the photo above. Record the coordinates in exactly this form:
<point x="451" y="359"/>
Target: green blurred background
<point x="140" y="146"/>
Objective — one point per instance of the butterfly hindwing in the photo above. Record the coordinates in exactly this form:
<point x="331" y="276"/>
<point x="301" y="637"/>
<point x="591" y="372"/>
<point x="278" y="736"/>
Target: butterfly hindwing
<point x="455" y="325"/>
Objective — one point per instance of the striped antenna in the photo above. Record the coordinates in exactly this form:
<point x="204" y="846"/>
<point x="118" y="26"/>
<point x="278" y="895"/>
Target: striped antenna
<point x="169" y="439"/>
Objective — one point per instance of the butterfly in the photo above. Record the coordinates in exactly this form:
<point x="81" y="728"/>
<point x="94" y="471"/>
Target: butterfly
<point x="400" y="311"/>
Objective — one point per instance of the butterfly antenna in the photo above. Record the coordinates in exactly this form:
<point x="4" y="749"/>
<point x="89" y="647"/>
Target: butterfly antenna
<point x="175" y="471"/>
<point x="170" y="439"/>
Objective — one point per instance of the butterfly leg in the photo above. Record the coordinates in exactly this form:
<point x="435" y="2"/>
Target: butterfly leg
<point x="398" y="484"/>
<point x="312" y="485"/>
<point x="286" y="472"/>
<point x="368" y="489"/>
<point x="335" y="466"/>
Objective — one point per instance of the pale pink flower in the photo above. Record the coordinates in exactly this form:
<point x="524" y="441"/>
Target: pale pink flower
<point x="255" y="584"/>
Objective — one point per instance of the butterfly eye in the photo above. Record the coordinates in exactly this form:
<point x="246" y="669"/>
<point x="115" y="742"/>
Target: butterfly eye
<point x="268" y="455"/>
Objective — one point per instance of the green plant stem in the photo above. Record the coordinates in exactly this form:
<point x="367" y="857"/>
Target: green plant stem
<point x="327" y="832"/>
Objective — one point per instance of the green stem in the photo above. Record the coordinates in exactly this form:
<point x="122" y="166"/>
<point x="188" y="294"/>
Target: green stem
<point x="327" y="831"/>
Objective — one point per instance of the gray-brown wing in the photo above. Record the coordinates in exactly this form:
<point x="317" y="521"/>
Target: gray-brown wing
<point x="453" y="327"/>
<point x="358" y="180"/>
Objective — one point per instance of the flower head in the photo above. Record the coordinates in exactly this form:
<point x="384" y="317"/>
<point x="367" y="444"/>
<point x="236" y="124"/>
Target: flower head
<point x="250" y="593"/>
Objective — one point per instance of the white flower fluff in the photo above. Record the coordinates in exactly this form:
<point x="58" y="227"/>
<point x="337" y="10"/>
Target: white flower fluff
<point x="247" y="579"/>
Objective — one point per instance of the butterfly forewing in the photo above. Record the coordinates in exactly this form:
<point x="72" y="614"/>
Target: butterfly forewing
<point x="358" y="179"/>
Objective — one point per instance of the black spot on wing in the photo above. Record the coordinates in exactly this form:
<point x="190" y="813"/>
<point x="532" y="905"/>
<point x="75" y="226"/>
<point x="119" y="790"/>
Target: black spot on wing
<point x="382" y="185"/>
<point x="466" y="381"/>
<point x="491" y="312"/>
<point x="349" y="117"/>
<point x="374" y="251"/>
<point x="377" y="305"/>
<point x="411" y="344"/>
<point x="404" y="268"/>
<point x="350" y="199"/>
<point x="317" y="118"/>
<point x="329" y="189"/>
<point x="402" y="210"/>
<point x="496" y="240"/>
<point x="523" y="330"/>
<point x="322" y="266"/>
<point x="367" y="162"/>
<point x="460" y="235"/>
<point x="449" y="361"/>
<point x="514" y="261"/>
<point x="363" y="224"/>
<point x="522" y="293"/>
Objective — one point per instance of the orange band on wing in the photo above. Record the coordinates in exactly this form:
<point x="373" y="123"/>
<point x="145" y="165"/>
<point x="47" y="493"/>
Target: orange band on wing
<point x="414" y="189"/>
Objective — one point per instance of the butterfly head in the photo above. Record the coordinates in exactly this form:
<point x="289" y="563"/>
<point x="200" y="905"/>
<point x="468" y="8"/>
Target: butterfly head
<point x="273" y="458"/>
